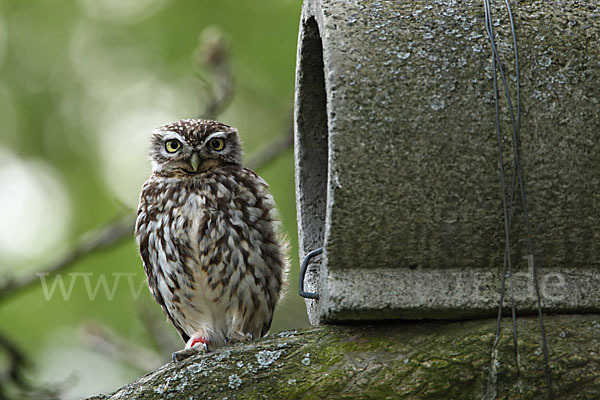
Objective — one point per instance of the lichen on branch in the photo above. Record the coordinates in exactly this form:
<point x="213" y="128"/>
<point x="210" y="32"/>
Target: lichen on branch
<point x="399" y="360"/>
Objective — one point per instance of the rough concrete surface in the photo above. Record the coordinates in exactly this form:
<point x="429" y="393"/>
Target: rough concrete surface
<point x="397" y="159"/>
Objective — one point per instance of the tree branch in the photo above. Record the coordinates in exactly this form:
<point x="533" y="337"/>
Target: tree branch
<point x="394" y="359"/>
<point x="271" y="151"/>
<point x="128" y="352"/>
<point x="98" y="239"/>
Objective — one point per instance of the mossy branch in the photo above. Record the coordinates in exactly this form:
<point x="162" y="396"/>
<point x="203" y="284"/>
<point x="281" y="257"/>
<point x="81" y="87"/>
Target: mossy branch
<point x="399" y="360"/>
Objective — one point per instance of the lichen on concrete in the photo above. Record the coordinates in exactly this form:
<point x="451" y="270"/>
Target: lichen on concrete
<point x="405" y="190"/>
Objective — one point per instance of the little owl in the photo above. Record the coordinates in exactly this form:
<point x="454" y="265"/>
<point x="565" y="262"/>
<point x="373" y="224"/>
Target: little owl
<point x="208" y="235"/>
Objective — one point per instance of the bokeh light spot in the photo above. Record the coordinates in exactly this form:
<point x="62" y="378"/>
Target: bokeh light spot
<point x="121" y="11"/>
<point x="34" y="208"/>
<point x="124" y="135"/>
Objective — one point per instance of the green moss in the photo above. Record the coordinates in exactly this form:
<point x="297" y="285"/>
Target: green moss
<point x="426" y="360"/>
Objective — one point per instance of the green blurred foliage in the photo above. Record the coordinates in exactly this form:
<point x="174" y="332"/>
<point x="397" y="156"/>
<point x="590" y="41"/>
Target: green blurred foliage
<point x="82" y="83"/>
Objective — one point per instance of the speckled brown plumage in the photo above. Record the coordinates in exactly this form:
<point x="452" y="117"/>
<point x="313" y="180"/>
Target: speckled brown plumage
<point x="208" y="235"/>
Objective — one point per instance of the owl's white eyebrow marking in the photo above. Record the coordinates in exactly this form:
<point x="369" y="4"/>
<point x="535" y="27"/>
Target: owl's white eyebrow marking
<point x="215" y="135"/>
<point x="171" y="135"/>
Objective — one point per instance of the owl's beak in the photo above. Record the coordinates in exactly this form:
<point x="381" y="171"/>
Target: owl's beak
<point x="195" y="161"/>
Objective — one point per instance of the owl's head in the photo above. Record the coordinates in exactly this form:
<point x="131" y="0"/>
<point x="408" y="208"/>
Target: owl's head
<point x="194" y="145"/>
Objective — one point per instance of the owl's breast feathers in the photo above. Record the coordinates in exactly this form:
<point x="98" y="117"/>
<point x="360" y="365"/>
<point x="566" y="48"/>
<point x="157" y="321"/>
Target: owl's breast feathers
<point x="211" y="251"/>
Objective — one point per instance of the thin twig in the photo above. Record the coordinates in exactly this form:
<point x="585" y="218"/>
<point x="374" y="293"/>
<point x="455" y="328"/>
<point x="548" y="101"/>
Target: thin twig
<point x="109" y="342"/>
<point x="13" y="380"/>
<point x="213" y="56"/>
<point x="17" y="361"/>
<point x="99" y="239"/>
<point x="164" y="338"/>
<point x="271" y="151"/>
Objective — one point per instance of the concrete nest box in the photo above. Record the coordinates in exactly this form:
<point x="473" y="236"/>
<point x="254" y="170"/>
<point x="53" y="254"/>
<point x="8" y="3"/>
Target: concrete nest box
<point x="397" y="167"/>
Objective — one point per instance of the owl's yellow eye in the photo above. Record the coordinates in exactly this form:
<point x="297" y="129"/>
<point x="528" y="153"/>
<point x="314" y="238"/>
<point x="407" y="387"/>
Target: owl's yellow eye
<point x="217" y="144"/>
<point x="172" y="145"/>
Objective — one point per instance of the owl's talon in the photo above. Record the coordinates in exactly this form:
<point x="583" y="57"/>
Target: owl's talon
<point x="239" y="337"/>
<point x="197" y="346"/>
<point x="185" y="353"/>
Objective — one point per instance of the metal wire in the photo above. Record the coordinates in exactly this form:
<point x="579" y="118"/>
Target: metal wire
<point x="303" y="267"/>
<point x="497" y="67"/>
<point x="508" y="211"/>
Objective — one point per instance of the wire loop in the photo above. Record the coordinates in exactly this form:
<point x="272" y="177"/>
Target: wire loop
<point x="303" y="267"/>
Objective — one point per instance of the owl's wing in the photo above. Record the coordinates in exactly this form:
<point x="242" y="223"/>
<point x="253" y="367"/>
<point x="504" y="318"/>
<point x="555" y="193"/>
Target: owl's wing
<point x="276" y="245"/>
<point x="143" y="242"/>
<point x="142" y="235"/>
